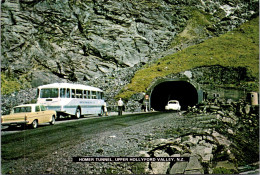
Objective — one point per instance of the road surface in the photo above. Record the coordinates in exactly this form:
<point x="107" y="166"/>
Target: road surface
<point x="66" y="138"/>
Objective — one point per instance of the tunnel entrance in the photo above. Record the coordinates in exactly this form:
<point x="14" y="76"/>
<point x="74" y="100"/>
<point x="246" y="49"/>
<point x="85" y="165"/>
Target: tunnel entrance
<point x="182" y="91"/>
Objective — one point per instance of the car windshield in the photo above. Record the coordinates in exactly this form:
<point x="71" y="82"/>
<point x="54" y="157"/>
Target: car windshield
<point x="49" y="93"/>
<point x="22" y="109"/>
<point x="172" y="102"/>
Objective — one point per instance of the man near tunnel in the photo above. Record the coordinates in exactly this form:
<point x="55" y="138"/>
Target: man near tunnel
<point x="120" y="105"/>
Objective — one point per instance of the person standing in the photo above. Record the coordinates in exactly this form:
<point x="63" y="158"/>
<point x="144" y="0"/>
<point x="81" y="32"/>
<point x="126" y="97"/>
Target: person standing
<point x="120" y="105"/>
<point x="105" y="108"/>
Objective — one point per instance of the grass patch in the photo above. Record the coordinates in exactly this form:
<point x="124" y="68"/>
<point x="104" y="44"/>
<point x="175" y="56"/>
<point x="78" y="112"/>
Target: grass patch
<point x="238" y="48"/>
<point x="196" y="27"/>
<point x="221" y="170"/>
<point x="9" y="84"/>
<point x="121" y="124"/>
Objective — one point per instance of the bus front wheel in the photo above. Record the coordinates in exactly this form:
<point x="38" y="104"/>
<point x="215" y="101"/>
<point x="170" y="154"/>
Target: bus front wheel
<point x="78" y="113"/>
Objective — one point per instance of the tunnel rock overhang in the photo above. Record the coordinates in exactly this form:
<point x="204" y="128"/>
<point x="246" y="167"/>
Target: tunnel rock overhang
<point x="188" y="93"/>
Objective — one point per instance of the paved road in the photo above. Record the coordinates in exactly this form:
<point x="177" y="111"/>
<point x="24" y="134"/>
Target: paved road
<point x="6" y="130"/>
<point x="67" y="136"/>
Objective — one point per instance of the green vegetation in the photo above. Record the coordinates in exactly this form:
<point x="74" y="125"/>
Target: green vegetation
<point x="196" y="27"/>
<point x="221" y="170"/>
<point x="9" y="84"/>
<point x="139" y="168"/>
<point x="237" y="48"/>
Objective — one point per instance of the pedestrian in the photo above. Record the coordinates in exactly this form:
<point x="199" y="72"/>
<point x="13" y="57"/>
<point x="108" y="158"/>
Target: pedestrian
<point x="105" y="108"/>
<point x="120" y="105"/>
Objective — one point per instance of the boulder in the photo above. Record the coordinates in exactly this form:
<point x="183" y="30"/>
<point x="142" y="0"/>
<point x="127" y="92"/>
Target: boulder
<point x="160" y="167"/>
<point x="178" y="168"/>
<point x="194" y="165"/>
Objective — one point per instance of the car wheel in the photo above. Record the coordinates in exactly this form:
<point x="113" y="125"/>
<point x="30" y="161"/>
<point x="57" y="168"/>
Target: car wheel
<point x="52" y="120"/>
<point x="58" y="116"/>
<point x="78" y="113"/>
<point x="34" y="124"/>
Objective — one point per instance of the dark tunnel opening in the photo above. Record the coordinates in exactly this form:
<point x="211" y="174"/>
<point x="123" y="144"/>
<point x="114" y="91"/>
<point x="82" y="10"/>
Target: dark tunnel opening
<point x="182" y="91"/>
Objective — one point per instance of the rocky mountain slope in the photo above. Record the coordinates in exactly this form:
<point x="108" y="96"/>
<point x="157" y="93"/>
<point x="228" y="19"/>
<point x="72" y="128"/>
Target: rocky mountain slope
<point x="235" y="49"/>
<point x="54" y="41"/>
<point x="101" y="42"/>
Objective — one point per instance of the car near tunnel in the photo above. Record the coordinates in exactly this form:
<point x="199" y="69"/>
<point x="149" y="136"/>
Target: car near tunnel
<point x="182" y="91"/>
<point x="173" y="105"/>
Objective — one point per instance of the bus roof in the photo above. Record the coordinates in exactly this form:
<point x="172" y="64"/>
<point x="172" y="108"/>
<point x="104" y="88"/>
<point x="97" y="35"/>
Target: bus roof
<point x="69" y="85"/>
<point x="24" y="105"/>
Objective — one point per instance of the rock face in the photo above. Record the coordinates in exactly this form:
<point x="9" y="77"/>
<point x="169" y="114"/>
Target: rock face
<point x="102" y="42"/>
<point x="79" y="40"/>
<point x="211" y="150"/>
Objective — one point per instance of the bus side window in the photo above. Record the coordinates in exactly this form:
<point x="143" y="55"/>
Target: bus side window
<point x="89" y="94"/>
<point x="68" y="93"/>
<point x="79" y="93"/>
<point x="94" y="94"/>
<point x="73" y="93"/>
<point x="62" y="93"/>
<point x="98" y="95"/>
<point x="85" y="94"/>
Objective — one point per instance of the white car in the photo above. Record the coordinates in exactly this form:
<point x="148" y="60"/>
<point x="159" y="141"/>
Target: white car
<point x="173" y="105"/>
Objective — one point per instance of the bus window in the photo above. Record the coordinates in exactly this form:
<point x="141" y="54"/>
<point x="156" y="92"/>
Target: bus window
<point x="88" y="94"/>
<point x="101" y="95"/>
<point x="85" y="94"/>
<point x="49" y="93"/>
<point x="68" y="93"/>
<point x="62" y="93"/>
<point x="94" y="94"/>
<point x="79" y="93"/>
<point x="98" y="95"/>
<point x="73" y="93"/>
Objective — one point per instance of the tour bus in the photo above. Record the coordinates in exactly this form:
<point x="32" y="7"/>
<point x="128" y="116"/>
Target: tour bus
<point x="71" y="99"/>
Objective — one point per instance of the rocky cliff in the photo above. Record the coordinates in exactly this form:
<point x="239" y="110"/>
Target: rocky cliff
<point x="46" y="41"/>
<point x="65" y="40"/>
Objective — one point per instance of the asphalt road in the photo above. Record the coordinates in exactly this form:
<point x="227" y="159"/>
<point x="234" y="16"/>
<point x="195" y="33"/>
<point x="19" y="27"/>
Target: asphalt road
<point x="9" y="130"/>
<point x="35" y="144"/>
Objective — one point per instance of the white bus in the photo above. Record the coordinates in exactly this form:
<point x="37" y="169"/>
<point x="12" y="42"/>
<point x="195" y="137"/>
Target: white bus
<point x="71" y="99"/>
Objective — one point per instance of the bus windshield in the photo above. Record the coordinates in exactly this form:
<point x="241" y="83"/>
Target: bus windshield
<point x="49" y="93"/>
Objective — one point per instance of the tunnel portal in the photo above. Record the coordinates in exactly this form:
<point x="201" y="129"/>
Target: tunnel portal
<point x="182" y="91"/>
